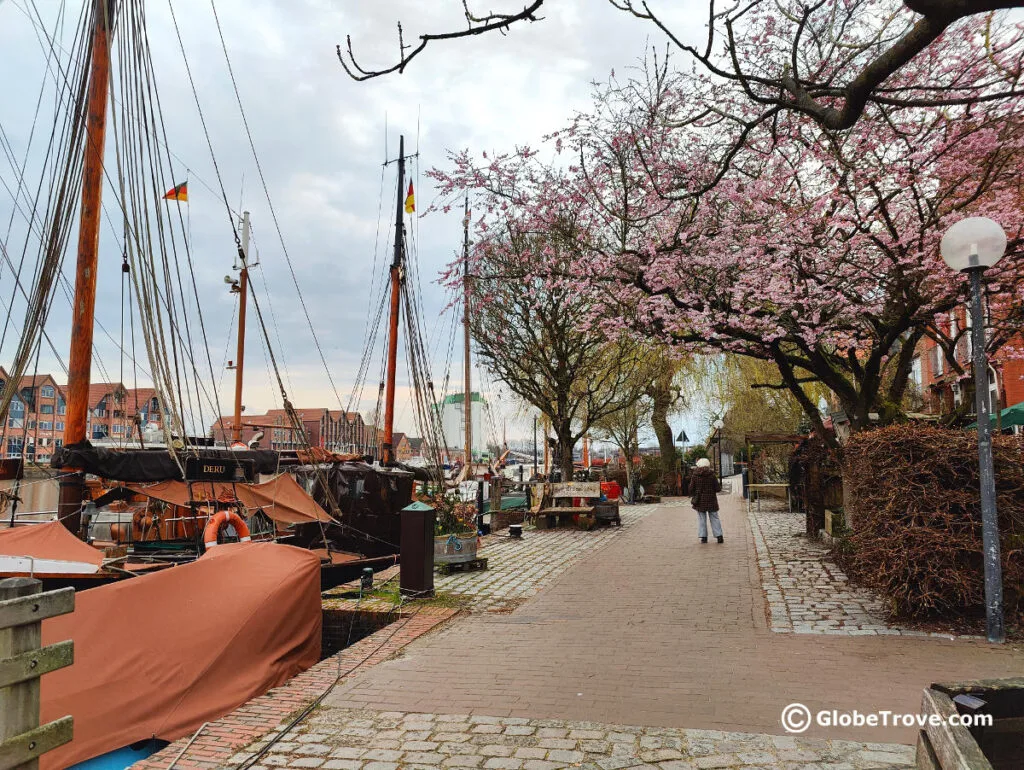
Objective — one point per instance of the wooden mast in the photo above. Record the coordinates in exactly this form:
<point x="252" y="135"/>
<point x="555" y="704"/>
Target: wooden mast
<point x="80" y="360"/>
<point x="387" y="448"/>
<point x="243" y="287"/>
<point x="467" y="406"/>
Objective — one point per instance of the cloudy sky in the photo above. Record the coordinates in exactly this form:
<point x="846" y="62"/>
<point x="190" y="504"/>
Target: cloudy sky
<point x="321" y="139"/>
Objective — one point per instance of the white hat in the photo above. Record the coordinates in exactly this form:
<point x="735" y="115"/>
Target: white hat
<point x="703" y="463"/>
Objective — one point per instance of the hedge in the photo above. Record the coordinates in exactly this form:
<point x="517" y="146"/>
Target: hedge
<point x="913" y="496"/>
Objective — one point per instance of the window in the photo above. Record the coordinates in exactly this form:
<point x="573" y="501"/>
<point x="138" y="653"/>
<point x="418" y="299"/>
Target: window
<point x="17" y="406"/>
<point x="119" y="429"/>
<point x="47" y="391"/>
<point x="15" y="422"/>
<point x="42" y="458"/>
<point x="915" y="372"/>
<point x="58" y="426"/>
<point x="31" y="424"/>
<point x="45" y="425"/>
<point x="939" y="360"/>
<point x="99" y="411"/>
<point x="58" y="443"/>
<point x="62" y="408"/>
<point x="46" y="409"/>
<point x="14" y="446"/>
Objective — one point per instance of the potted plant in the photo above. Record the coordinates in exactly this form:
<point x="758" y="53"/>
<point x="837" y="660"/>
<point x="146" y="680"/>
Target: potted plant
<point x="455" y="538"/>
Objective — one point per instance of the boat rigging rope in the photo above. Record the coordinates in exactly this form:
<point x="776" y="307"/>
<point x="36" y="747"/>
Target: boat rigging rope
<point x="270" y="204"/>
<point x="67" y="165"/>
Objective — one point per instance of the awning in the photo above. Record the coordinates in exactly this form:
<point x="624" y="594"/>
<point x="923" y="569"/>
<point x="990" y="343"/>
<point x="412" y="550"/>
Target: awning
<point x="159" y="655"/>
<point x="46" y="549"/>
<point x="1010" y="417"/>
<point x="281" y="498"/>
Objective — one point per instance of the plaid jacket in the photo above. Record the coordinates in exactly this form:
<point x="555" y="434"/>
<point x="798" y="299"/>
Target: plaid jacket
<point x="704" y="486"/>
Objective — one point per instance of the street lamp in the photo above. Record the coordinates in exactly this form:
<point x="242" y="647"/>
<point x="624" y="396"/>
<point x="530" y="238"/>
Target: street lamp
<point x="718" y="425"/>
<point x="970" y="246"/>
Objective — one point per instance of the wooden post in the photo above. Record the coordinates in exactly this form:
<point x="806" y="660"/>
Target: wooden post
<point x="388" y="450"/>
<point x="495" y="505"/>
<point x="22" y="663"/>
<point x="80" y="359"/>
<point x="243" y="289"/>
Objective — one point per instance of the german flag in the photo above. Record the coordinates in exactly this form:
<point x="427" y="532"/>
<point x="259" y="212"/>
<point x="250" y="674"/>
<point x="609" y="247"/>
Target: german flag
<point x="178" y="193"/>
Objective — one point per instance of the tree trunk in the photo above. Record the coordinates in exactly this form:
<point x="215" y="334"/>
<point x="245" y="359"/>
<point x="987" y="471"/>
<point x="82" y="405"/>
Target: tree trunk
<point x="666" y="443"/>
<point x="630" y="475"/>
<point x="563" y="429"/>
<point x="663" y="398"/>
<point x="815" y="498"/>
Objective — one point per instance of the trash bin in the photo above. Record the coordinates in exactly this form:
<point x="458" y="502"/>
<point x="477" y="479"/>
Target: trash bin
<point x="417" y="550"/>
<point x="745" y="475"/>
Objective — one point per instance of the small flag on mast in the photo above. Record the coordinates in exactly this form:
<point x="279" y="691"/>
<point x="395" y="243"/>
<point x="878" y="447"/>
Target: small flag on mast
<point x="177" y="193"/>
<point x="410" y="201"/>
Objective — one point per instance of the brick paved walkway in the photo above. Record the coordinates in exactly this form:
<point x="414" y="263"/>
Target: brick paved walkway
<point x="518" y="569"/>
<point x="658" y="629"/>
<point x="342" y="739"/>
<point x="807" y="592"/>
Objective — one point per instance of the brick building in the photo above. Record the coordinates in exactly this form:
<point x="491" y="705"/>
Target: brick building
<point x="336" y="430"/>
<point x="35" y="422"/>
<point x="941" y="388"/>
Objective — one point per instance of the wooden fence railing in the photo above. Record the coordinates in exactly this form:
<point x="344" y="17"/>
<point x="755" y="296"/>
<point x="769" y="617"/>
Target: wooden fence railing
<point x="23" y="607"/>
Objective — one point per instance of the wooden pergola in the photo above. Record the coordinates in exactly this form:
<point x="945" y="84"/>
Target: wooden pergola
<point x="763" y="439"/>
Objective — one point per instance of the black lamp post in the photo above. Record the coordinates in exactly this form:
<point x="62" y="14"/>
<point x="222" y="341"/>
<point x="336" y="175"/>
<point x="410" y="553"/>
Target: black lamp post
<point x="971" y="246"/>
<point x="718" y="440"/>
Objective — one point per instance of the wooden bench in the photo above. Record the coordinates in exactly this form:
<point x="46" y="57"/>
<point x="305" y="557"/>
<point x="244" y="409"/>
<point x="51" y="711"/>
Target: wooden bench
<point x="558" y="516"/>
<point x="586" y="516"/>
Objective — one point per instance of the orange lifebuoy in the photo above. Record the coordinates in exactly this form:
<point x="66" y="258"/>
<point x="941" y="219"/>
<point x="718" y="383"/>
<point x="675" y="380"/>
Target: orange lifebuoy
<point x="222" y="519"/>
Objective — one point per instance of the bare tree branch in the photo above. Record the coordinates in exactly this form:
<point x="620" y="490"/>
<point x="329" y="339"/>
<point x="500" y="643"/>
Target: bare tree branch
<point x="865" y="66"/>
<point x="475" y="25"/>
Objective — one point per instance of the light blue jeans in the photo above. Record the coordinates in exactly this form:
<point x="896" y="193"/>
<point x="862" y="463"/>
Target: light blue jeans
<point x="702" y="523"/>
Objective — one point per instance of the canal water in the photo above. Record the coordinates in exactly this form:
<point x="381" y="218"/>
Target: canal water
<point x="38" y="492"/>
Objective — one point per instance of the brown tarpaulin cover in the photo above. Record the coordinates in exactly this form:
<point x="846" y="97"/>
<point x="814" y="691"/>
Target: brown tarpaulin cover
<point x="159" y="655"/>
<point x="47" y="541"/>
<point x="281" y="498"/>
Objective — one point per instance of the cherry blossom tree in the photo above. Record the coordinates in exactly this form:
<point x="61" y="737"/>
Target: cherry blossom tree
<point x="812" y="250"/>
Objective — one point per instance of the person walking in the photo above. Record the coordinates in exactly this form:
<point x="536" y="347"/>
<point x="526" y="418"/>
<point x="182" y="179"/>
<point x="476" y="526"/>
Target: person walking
<point x="704" y="489"/>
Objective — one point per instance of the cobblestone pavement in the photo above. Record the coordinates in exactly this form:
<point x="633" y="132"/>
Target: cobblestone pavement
<point x="348" y="739"/>
<point x="807" y="593"/>
<point x="518" y="569"/>
<point x="658" y="629"/>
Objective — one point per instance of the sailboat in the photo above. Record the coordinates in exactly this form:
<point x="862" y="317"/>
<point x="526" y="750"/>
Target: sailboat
<point x="191" y="599"/>
<point x="167" y="502"/>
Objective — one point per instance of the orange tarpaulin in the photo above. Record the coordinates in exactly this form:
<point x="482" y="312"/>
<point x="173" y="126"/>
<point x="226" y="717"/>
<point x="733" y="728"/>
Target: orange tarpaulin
<point x="281" y="498"/>
<point x="47" y="541"/>
<point x="159" y="655"/>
